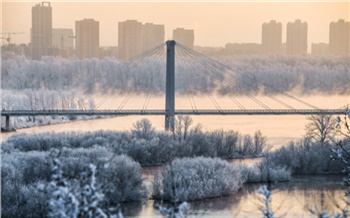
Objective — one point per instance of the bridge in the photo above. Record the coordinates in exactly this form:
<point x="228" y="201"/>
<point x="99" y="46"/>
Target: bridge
<point x="207" y="65"/>
<point x="163" y="112"/>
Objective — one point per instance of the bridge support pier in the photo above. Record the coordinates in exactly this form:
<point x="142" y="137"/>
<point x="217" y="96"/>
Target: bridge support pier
<point x="7" y="125"/>
<point x="170" y="87"/>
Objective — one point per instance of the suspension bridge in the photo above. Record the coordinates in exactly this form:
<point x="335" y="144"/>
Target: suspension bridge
<point x="195" y="68"/>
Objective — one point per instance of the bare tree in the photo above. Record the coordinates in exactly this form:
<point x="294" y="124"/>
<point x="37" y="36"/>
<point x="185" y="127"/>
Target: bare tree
<point x="182" y="126"/>
<point x="143" y="129"/>
<point x="321" y="127"/>
<point x="259" y="142"/>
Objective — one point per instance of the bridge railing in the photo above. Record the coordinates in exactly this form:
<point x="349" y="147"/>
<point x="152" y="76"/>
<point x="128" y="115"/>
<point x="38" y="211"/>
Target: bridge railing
<point x="177" y="112"/>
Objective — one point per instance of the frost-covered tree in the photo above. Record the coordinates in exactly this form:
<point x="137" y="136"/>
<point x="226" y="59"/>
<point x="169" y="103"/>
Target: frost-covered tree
<point x="143" y="129"/>
<point x="254" y="74"/>
<point x="321" y="127"/>
<point x="69" y="201"/>
<point x="182" y="127"/>
<point x="189" y="179"/>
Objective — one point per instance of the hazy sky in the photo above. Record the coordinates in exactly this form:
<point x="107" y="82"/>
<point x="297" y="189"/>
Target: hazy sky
<point x="215" y="23"/>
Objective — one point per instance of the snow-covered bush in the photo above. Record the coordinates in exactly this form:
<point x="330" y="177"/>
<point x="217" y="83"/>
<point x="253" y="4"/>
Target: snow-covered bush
<point x="20" y="200"/>
<point x="265" y="172"/>
<point x="197" y="178"/>
<point x="67" y="200"/>
<point x="151" y="152"/>
<point x="154" y="148"/>
<point x="119" y="178"/>
<point x="305" y="157"/>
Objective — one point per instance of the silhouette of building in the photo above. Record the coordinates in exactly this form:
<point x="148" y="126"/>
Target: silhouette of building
<point x="135" y="37"/>
<point x="184" y="36"/>
<point x="319" y="49"/>
<point x="87" y="38"/>
<point x="63" y="40"/>
<point x="41" y="31"/>
<point x="243" y="48"/>
<point x="339" y="38"/>
<point x="271" y="41"/>
<point x="9" y="51"/>
<point x="129" y="38"/>
<point x="296" y="38"/>
<point x="153" y="35"/>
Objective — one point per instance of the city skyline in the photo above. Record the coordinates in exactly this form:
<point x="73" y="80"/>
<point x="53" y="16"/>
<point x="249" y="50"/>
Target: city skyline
<point x="215" y="24"/>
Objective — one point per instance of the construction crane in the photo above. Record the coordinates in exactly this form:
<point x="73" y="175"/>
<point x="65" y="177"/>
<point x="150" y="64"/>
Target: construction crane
<point x="9" y="36"/>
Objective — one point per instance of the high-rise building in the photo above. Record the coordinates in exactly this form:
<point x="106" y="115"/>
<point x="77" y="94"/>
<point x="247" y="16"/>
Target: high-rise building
<point x="87" y="38"/>
<point x="271" y="41"/>
<point x="339" y="37"/>
<point x="153" y="35"/>
<point x="135" y="37"/>
<point x="129" y="38"/>
<point x="41" y="31"/>
<point x="184" y="36"/>
<point x="296" y="38"/>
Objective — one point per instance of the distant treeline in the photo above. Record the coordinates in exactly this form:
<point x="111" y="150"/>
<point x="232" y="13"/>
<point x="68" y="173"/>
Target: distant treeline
<point x="237" y="75"/>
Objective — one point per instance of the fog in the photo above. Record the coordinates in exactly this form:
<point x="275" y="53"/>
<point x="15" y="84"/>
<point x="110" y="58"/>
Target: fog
<point x="236" y="75"/>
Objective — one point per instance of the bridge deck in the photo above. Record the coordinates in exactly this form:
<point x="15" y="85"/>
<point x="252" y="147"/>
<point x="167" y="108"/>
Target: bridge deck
<point x="162" y="112"/>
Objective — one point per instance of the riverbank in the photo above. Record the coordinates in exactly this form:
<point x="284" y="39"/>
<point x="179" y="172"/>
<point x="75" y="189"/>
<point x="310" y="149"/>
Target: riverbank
<point x="25" y="122"/>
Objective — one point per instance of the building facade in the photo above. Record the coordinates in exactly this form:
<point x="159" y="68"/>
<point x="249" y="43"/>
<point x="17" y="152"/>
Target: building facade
<point x="153" y="35"/>
<point x="271" y="40"/>
<point x="184" y="36"/>
<point x="339" y="38"/>
<point x="129" y="38"/>
<point x="41" y="31"/>
<point x="135" y="37"/>
<point x="296" y="38"/>
<point x="87" y="38"/>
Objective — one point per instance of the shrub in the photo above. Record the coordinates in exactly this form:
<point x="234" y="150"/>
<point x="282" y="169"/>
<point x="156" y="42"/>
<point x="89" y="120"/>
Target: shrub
<point x="150" y="152"/>
<point x="266" y="172"/>
<point x="306" y="157"/>
<point x="119" y="178"/>
<point x="19" y="200"/>
<point x="197" y="178"/>
<point x="143" y="144"/>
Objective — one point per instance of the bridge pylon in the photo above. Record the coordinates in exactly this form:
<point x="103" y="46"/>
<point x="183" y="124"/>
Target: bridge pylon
<point x="170" y="86"/>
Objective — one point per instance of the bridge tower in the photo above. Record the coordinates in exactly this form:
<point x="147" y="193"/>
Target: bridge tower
<point x="170" y="86"/>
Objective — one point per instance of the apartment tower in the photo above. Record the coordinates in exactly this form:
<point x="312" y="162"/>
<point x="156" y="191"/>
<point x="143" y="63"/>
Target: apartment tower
<point x="184" y="36"/>
<point x="296" y="38"/>
<point x="339" y="37"/>
<point x="41" y="32"/>
<point x="135" y="37"/>
<point x="87" y="38"/>
<point x="271" y="41"/>
<point x="129" y="38"/>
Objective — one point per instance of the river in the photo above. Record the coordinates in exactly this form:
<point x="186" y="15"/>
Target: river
<point x="279" y="129"/>
<point x="289" y="199"/>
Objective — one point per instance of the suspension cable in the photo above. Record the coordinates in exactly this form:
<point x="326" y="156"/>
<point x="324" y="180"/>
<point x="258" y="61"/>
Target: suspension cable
<point x="250" y="76"/>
